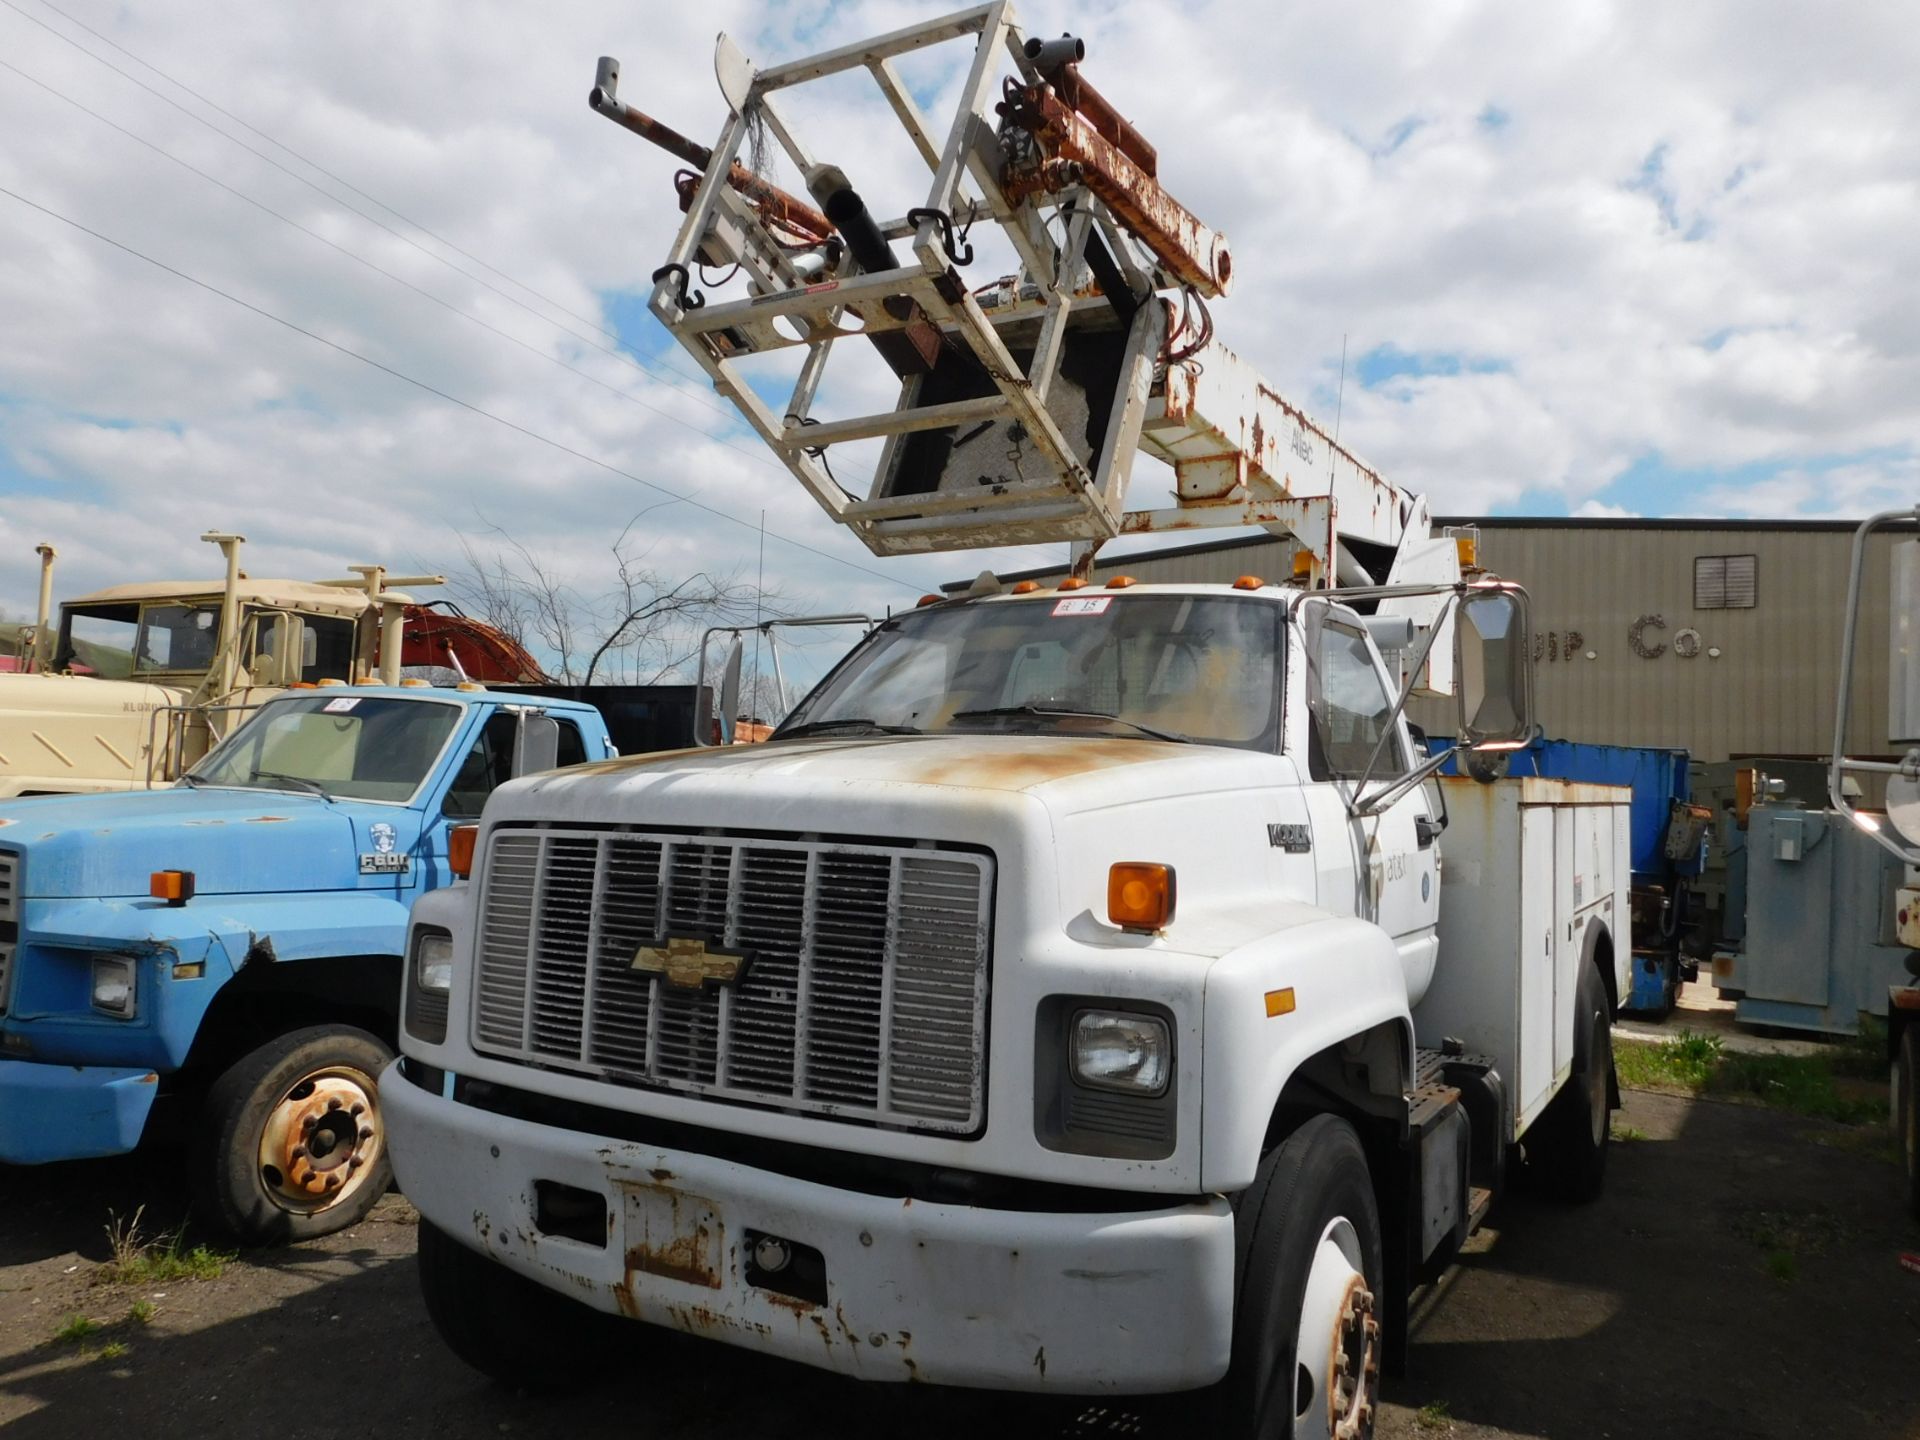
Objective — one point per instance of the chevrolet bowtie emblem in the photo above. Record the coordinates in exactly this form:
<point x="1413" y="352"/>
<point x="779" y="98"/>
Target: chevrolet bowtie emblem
<point x="686" y="963"/>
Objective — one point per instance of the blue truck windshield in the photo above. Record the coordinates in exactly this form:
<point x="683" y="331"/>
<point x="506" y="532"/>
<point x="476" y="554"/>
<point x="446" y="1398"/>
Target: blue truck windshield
<point x="1192" y="667"/>
<point x="355" y="747"/>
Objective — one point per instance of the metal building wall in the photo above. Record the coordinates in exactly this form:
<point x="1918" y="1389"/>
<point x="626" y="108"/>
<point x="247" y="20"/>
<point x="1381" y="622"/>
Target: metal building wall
<point x="1595" y="586"/>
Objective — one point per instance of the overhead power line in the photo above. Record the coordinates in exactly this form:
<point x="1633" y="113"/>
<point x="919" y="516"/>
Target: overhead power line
<point x="401" y="280"/>
<point x="337" y="179"/>
<point x="623" y="355"/>
<point x="434" y="390"/>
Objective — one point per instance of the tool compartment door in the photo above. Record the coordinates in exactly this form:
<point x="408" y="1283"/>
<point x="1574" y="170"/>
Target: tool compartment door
<point x="1538" y="957"/>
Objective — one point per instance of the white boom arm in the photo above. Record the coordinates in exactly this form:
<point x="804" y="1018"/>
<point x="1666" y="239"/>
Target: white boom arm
<point x="1024" y="402"/>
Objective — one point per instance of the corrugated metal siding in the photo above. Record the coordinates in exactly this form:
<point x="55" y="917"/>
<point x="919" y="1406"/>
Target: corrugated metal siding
<point x="1769" y="692"/>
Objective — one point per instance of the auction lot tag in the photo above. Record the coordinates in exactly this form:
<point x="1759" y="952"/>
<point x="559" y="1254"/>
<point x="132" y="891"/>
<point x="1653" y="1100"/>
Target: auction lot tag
<point x="340" y="706"/>
<point x="1083" y="605"/>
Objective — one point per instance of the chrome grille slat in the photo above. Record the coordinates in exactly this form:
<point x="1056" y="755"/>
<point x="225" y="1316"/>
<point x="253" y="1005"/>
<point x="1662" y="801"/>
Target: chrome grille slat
<point x="865" y="997"/>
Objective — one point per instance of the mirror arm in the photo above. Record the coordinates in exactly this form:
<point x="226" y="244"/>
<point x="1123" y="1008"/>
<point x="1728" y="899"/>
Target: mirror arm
<point x="1400" y="701"/>
<point x="1364" y="805"/>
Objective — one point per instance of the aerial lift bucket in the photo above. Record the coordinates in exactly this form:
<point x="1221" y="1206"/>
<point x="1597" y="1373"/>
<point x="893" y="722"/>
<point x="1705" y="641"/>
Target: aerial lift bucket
<point x="1023" y="402"/>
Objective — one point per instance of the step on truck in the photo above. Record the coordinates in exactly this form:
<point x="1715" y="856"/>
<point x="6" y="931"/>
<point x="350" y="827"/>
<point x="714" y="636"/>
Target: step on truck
<point x="214" y="967"/>
<point x="1089" y="987"/>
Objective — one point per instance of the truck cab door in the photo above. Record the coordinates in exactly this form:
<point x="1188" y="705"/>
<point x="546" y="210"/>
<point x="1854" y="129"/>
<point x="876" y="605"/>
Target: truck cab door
<point x="1390" y="874"/>
<point x="489" y="762"/>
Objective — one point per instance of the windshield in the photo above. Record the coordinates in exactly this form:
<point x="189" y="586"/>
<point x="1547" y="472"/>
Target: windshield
<point x="98" y="640"/>
<point x="359" y="747"/>
<point x="177" y="637"/>
<point x="1191" y="667"/>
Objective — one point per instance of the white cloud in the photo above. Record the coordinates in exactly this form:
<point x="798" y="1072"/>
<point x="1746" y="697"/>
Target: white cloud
<point x="1685" y="231"/>
<point x="1601" y="510"/>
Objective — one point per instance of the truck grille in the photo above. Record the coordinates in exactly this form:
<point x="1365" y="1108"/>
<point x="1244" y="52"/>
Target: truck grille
<point x="9" y="918"/>
<point x="863" y="994"/>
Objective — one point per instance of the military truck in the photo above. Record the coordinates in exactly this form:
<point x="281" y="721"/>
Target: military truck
<point x="130" y="685"/>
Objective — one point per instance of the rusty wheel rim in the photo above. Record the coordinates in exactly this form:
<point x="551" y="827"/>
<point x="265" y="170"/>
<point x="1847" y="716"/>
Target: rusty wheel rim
<point x="1337" y="1360"/>
<point x="321" y="1139"/>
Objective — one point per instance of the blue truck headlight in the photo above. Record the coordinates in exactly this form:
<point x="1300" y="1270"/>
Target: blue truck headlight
<point x="1116" y="1051"/>
<point x="115" y="985"/>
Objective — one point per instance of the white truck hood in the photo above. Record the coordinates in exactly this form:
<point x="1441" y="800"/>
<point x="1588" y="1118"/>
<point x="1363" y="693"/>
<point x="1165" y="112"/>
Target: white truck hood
<point x="783" y="785"/>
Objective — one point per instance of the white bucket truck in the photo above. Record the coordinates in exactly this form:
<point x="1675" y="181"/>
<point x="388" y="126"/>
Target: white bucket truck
<point x="1088" y="988"/>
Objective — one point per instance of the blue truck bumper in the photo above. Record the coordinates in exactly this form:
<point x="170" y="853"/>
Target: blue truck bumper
<point x="71" y="1112"/>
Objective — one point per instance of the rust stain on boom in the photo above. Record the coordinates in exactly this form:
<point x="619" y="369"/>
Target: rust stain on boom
<point x="1077" y="153"/>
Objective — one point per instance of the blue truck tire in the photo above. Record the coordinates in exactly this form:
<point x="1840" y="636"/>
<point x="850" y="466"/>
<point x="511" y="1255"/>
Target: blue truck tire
<point x="291" y="1145"/>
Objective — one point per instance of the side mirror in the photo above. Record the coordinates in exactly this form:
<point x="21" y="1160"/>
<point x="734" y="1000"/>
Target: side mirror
<point x="730" y="691"/>
<point x="1493" y="667"/>
<point x="536" y="743"/>
<point x="288" y="649"/>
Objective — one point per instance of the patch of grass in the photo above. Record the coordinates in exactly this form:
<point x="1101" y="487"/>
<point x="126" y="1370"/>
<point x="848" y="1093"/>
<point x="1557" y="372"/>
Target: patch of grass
<point x="1627" y="1134"/>
<point x="112" y="1350"/>
<point x="165" y="1259"/>
<point x="1823" y="1085"/>
<point x="141" y="1312"/>
<point x="1434" y="1415"/>
<point x="1782" y="1266"/>
<point x="75" y="1329"/>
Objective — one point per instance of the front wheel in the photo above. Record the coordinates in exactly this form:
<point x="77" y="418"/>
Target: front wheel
<point x="1306" y="1332"/>
<point x="508" y="1328"/>
<point x="292" y="1145"/>
<point x="1906" y="1089"/>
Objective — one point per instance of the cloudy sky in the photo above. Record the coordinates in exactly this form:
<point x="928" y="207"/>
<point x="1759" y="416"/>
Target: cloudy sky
<point x="1581" y="258"/>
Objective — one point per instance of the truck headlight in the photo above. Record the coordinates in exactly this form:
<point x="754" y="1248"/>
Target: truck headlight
<point x="429" y="983"/>
<point x="114" y="985"/>
<point x="433" y="961"/>
<point x="1116" y="1051"/>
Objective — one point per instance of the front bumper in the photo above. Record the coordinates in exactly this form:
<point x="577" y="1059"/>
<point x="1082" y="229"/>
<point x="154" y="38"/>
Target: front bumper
<point x="71" y="1112"/>
<point x="1119" y="1302"/>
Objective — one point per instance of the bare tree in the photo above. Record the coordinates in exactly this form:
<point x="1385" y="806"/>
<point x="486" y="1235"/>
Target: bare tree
<point x="641" y="627"/>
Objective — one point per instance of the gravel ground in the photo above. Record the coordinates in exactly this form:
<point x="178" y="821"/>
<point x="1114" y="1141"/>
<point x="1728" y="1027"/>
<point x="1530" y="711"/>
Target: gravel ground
<point x="1740" y="1279"/>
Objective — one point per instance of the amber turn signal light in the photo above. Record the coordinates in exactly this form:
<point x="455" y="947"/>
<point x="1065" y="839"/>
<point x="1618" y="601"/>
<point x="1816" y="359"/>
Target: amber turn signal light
<point x="1140" y="896"/>
<point x="460" y="842"/>
<point x="173" y="886"/>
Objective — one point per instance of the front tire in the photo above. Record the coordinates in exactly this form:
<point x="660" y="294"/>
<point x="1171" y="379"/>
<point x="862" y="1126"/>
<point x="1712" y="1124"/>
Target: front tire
<point x="1567" y="1147"/>
<point x="292" y="1145"/>
<point x="1306" y="1337"/>
<point x="1907" y="1113"/>
<point x="508" y="1328"/>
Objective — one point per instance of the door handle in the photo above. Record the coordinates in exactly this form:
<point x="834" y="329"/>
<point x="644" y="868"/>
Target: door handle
<point x="1425" y="829"/>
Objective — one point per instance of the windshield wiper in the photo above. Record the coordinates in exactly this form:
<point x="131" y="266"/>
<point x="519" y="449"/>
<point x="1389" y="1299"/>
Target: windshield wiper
<point x="191" y="781"/>
<point x="1068" y="712"/>
<point x="828" y="727"/>
<point x="313" y="786"/>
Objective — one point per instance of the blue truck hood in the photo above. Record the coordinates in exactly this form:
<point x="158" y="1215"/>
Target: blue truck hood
<point x="84" y="846"/>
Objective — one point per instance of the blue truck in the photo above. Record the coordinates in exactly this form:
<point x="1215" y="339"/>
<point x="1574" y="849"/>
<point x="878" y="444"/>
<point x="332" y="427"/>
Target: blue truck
<point x="218" y="962"/>
<point x="1668" y="852"/>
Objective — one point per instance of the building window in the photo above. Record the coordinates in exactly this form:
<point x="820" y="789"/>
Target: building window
<point x="1725" y="582"/>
